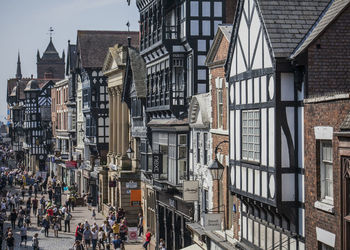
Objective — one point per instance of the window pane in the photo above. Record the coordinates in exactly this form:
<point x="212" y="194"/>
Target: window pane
<point x="206" y="9"/>
<point x="206" y="28"/>
<point x="194" y="8"/>
<point x="194" y="28"/>
<point x="217" y="9"/>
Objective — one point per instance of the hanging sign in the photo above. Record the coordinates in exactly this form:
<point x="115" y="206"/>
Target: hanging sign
<point x="213" y="221"/>
<point x="157" y="160"/>
<point x="131" y="185"/>
<point x="190" y="190"/>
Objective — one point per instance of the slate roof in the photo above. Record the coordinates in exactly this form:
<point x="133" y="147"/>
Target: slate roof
<point x="332" y="12"/>
<point x="93" y="45"/>
<point x="345" y="125"/>
<point x="50" y="52"/>
<point x="226" y="30"/>
<point x="288" y="21"/>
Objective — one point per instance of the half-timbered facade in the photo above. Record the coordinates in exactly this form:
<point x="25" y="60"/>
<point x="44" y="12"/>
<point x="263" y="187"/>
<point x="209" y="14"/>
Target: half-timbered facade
<point x="37" y="123"/>
<point x="174" y="39"/>
<point x="266" y="121"/>
<point x="91" y="51"/>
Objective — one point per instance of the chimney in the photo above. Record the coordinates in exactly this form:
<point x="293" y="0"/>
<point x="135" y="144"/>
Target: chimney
<point x="129" y="41"/>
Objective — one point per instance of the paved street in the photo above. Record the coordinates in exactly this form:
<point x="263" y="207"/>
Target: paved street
<point x="64" y="241"/>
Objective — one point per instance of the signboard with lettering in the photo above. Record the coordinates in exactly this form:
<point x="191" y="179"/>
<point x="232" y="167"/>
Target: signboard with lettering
<point x="157" y="163"/>
<point x="190" y="190"/>
<point x="131" y="185"/>
<point x="71" y="164"/>
<point x="213" y="221"/>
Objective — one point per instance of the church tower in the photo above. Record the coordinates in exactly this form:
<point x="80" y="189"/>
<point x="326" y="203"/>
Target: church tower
<point x="50" y="65"/>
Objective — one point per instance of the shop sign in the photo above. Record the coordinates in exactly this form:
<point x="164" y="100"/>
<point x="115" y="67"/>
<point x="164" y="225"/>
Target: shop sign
<point x="213" y="221"/>
<point x="132" y="234"/>
<point x="71" y="164"/>
<point x="157" y="160"/>
<point x="135" y="197"/>
<point x="190" y="190"/>
<point x="131" y="185"/>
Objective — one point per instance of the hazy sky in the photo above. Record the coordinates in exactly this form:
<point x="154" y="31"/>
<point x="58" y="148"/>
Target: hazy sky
<point x="24" y="26"/>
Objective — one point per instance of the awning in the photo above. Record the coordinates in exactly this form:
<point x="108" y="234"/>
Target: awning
<point x="192" y="247"/>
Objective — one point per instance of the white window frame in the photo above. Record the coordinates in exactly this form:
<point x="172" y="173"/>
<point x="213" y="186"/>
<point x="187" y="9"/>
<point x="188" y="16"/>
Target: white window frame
<point x="220" y="103"/>
<point x="251" y="133"/>
<point x="326" y="182"/>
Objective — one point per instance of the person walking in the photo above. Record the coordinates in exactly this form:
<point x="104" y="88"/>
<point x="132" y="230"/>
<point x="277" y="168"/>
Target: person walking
<point x="23" y="235"/>
<point x="148" y="239"/>
<point x="79" y="232"/>
<point x="13" y="217"/>
<point x="94" y="237"/>
<point x="46" y="225"/>
<point x="140" y="224"/>
<point x="67" y="219"/>
<point x="35" y="205"/>
<point x="101" y="238"/>
<point x="56" y="227"/>
<point x="93" y="215"/>
<point x="87" y="237"/>
<point x="117" y="242"/>
<point x="10" y="241"/>
<point x="35" y="242"/>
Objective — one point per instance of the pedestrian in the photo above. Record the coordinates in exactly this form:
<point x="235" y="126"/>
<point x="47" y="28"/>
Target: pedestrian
<point x="161" y="244"/>
<point x="23" y="193"/>
<point x="123" y="230"/>
<point x="24" y="235"/>
<point x="27" y="220"/>
<point x="94" y="237"/>
<point x="35" y="205"/>
<point x="56" y="227"/>
<point x="140" y="224"/>
<point x="87" y="237"/>
<point x="13" y="217"/>
<point x="10" y="241"/>
<point x="67" y="218"/>
<point x="78" y="246"/>
<point x="35" y="242"/>
<point x="50" y="193"/>
<point x="115" y="228"/>
<point x="93" y="216"/>
<point x="148" y="239"/>
<point x="46" y="225"/>
<point x="101" y="238"/>
<point x="79" y="232"/>
<point x="117" y="242"/>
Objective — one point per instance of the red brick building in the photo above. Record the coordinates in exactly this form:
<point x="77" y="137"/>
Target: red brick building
<point x="323" y="59"/>
<point x="219" y="126"/>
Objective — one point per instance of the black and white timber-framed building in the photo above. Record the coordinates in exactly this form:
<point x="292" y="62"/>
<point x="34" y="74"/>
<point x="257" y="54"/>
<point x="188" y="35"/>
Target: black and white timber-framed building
<point x="174" y="39"/>
<point x="266" y="120"/>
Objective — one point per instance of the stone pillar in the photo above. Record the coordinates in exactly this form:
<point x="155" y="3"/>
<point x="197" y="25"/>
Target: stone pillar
<point x="115" y="125"/>
<point x="119" y="124"/>
<point x="110" y="96"/>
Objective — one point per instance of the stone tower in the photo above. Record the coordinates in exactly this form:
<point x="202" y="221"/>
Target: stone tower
<point x="50" y="65"/>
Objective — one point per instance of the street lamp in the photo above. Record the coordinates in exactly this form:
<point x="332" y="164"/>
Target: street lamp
<point x="130" y="152"/>
<point x="216" y="170"/>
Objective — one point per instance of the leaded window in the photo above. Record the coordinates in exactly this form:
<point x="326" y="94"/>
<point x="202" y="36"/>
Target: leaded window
<point x="251" y="135"/>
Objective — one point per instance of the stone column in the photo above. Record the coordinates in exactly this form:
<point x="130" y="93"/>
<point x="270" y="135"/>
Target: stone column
<point x="110" y="96"/>
<point x="115" y="125"/>
<point x="119" y="123"/>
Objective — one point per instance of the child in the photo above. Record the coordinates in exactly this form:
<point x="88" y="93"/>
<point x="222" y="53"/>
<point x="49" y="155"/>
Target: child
<point x="56" y="227"/>
<point x="93" y="214"/>
<point x="24" y="234"/>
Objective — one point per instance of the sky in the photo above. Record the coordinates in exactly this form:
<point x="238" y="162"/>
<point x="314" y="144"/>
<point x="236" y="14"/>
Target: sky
<point x="25" y="24"/>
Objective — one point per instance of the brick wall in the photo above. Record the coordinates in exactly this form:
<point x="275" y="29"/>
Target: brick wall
<point x="322" y="114"/>
<point x="329" y="59"/>
<point x="216" y="72"/>
<point x="328" y="72"/>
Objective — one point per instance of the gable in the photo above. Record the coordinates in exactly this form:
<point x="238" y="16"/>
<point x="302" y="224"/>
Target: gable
<point x="221" y="53"/>
<point x="251" y="48"/>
